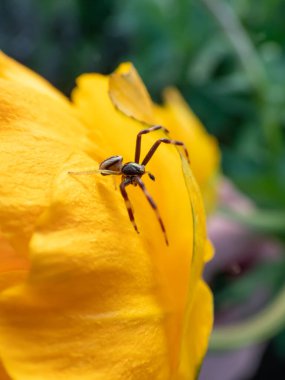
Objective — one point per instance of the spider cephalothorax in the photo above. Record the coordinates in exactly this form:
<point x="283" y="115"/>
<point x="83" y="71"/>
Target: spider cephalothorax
<point x="132" y="172"/>
<point x="114" y="165"/>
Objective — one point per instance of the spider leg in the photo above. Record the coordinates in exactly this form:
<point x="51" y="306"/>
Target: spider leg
<point x="166" y="141"/>
<point x="128" y="204"/>
<point x="153" y="206"/>
<point x="102" y="171"/>
<point x="139" y="136"/>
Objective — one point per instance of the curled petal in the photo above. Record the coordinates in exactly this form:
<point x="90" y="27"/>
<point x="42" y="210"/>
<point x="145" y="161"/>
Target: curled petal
<point x="129" y="94"/>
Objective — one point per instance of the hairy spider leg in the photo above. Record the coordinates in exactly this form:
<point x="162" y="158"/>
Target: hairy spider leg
<point x="128" y="204"/>
<point x="139" y="136"/>
<point x="95" y="171"/>
<point x="166" y="141"/>
<point x="153" y="206"/>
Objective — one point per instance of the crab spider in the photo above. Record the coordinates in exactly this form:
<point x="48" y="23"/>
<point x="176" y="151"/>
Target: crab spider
<point x="132" y="172"/>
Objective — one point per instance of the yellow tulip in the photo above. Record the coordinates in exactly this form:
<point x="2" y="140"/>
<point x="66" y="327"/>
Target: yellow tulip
<point x="83" y="296"/>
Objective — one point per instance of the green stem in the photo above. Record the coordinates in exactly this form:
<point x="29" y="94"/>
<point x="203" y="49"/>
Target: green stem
<point x="262" y="326"/>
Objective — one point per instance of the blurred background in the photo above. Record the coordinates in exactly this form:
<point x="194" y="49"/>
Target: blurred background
<point x="227" y="57"/>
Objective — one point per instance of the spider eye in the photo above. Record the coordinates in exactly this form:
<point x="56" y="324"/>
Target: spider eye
<point x="151" y="176"/>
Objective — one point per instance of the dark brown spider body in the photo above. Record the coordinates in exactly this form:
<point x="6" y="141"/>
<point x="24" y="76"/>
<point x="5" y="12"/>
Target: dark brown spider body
<point x="133" y="169"/>
<point x="115" y="164"/>
<point x="132" y="172"/>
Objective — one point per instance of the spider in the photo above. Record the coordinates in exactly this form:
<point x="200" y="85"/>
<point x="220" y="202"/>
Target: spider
<point x="132" y="172"/>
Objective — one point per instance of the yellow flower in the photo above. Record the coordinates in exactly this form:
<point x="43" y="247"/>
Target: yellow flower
<point x="82" y="295"/>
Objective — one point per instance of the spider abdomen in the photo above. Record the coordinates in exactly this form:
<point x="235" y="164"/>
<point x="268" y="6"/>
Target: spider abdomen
<point x="113" y="163"/>
<point x="132" y="169"/>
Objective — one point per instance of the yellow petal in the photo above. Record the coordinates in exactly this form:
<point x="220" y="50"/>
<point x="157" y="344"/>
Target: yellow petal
<point x="107" y="126"/>
<point x="90" y="296"/>
<point x="176" y="115"/>
<point x="95" y="295"/>
<point x="209" y="251"/>
<point x="37" y="133"/>
<point x="13" y="71"/>
<point x="129" y="94"/>
<point x="3" y="373"/>
<point x="104" y="302"/>
<point x="197" y="337"/>
<point x="13" y="268"/>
